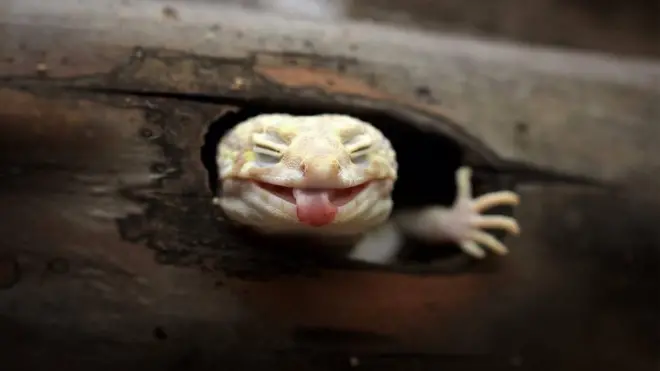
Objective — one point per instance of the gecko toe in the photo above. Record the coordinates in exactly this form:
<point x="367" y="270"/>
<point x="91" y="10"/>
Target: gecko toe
<point x="489" y="241"/>
<point x="472" y="248"/>
<point x="463" y="184"/>
<point x="489" y="200"/>
<point x="499" y="222"/>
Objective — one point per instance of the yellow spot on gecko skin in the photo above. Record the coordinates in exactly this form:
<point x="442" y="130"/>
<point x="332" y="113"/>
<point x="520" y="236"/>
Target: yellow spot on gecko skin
<point x="249" y="156"/>
<point x="287" y="132"/>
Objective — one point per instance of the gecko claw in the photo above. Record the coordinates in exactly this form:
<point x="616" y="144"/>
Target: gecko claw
<point x="469" y="209"/>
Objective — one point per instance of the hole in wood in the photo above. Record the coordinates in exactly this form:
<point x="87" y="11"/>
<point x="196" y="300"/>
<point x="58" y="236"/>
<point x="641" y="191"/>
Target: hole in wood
<point x="159" y="333"/>
<point x="427" y="164"/>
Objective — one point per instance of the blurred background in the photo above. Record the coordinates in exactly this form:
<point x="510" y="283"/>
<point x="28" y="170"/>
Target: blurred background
<point x="621" y="27"/>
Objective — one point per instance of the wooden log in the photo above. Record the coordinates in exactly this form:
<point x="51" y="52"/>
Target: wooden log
<point x="112" y="255"/>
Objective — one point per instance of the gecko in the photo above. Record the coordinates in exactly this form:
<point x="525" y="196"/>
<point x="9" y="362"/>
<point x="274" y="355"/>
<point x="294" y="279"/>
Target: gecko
<point x="330" y="177"/>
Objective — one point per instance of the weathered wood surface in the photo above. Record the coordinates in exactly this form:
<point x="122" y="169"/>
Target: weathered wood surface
<point x="112" y="254"/>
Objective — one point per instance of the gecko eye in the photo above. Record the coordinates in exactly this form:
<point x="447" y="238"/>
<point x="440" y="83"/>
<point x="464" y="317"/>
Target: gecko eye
<point x="266" y="156"/>
<point x="358" y="147"/>
<point x="268" y="149"/>
<point x="359" y="158"/>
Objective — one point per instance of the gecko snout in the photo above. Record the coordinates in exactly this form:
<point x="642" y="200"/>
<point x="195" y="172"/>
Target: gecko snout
<point x="320" y="169"/>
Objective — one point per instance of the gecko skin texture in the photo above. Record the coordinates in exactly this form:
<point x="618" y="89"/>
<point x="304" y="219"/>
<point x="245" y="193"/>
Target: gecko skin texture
<point x="332" y="176"/>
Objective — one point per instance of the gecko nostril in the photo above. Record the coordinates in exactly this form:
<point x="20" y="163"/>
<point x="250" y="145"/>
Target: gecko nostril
<point x="303" y="168"/>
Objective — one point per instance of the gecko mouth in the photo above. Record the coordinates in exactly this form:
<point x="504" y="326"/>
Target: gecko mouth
<point x="337" y="196"/>
<point x="314" y="206"/>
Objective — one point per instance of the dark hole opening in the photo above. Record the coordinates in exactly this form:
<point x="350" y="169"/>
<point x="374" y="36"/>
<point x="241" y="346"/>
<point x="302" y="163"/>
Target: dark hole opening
<point x="159" y="333"/>
<point x="427" y="163"/>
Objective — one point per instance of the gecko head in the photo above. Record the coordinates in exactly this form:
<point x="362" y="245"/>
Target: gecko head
<point x="297" y="173"/>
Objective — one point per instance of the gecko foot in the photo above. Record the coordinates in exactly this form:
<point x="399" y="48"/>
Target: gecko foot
<point x="465" y="221"/>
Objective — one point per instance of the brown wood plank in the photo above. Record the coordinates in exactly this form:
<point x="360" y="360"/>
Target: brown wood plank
<point x="518" y="101"/>
<point x="112" y="254"/>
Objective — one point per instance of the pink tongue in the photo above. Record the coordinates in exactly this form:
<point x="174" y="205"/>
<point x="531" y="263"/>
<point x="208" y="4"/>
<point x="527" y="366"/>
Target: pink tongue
<point x="314" y="207"/>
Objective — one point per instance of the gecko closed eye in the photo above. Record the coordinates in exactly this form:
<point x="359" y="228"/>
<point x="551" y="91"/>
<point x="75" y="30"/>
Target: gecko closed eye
<point x="268" y="149"/>
<point x="358" y="147"/>
<point x="266" y="157"/>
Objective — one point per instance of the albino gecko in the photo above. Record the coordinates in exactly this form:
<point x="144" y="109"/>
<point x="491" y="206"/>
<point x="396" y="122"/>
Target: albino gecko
<point x="331" y="177"/>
